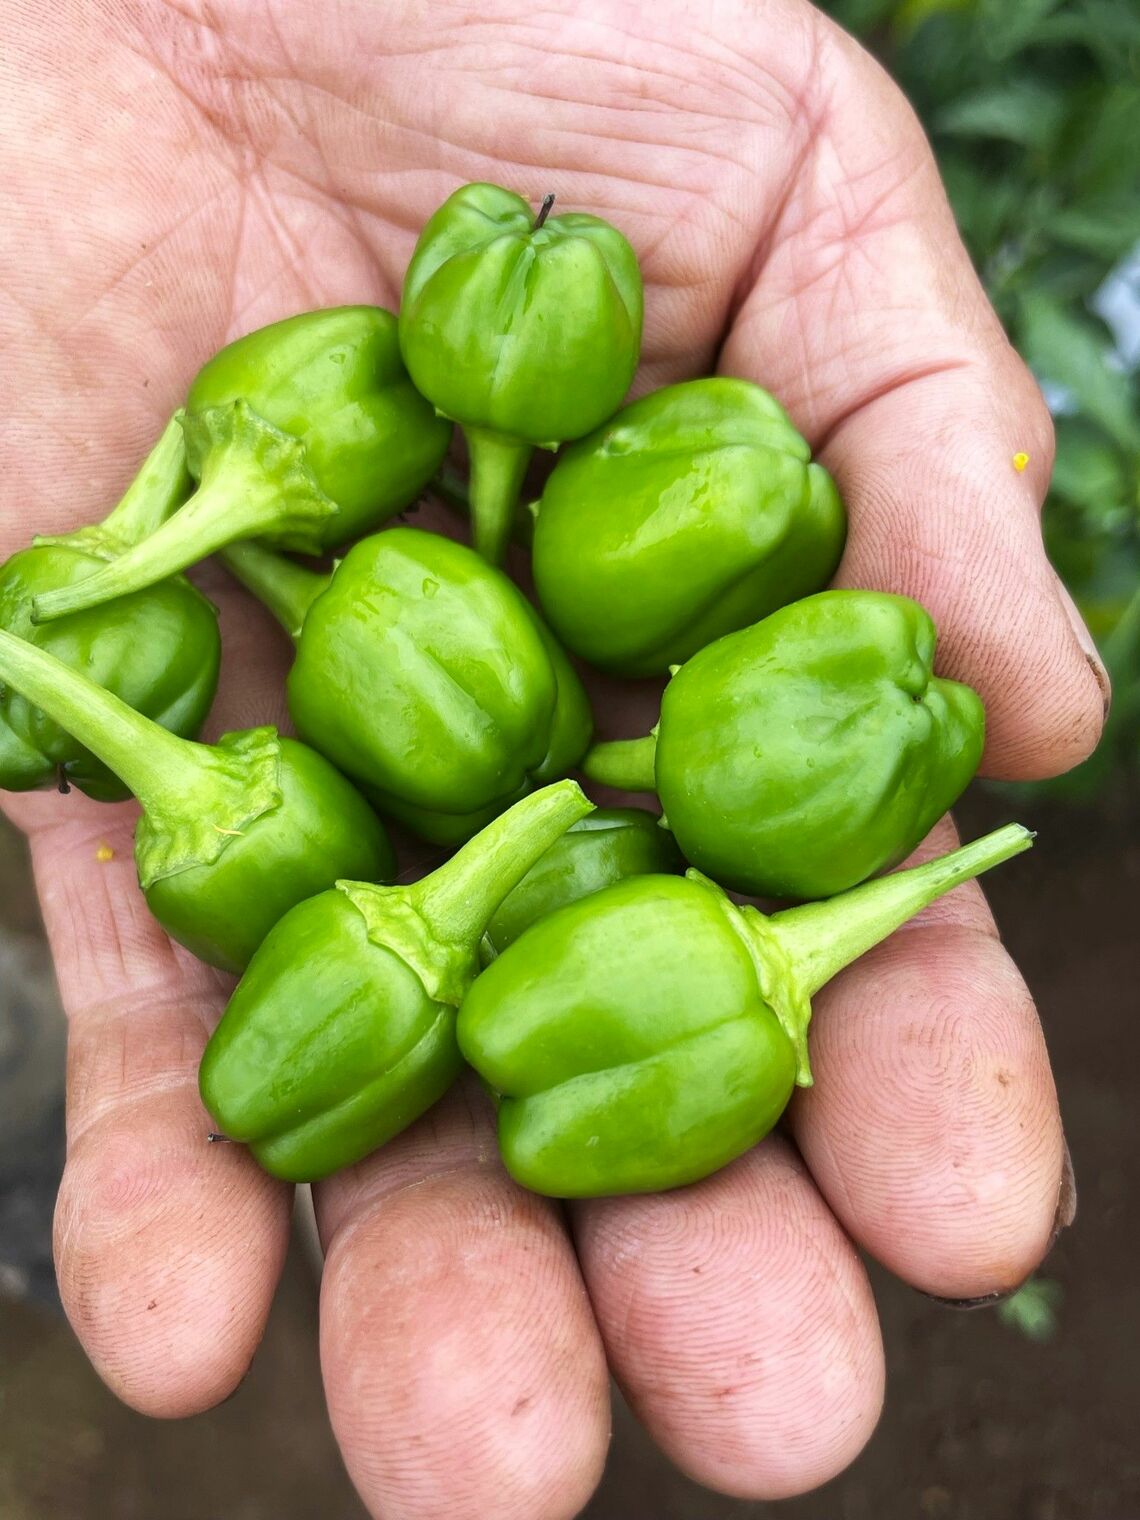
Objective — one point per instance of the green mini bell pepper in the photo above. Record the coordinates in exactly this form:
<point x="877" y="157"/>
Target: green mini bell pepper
<point x="306" y="433"/>
<point x="425" y="674"/>
<point x="607" y="845"/>
<point x="645" y="1036"/>
<point x="801" y="755"/>
<point x="690" y="513"/>
<point x="525" y="330"/>
<point x="342" y="1031"/>
<point x="232" y="834"/>
<point x="158" y="649"/>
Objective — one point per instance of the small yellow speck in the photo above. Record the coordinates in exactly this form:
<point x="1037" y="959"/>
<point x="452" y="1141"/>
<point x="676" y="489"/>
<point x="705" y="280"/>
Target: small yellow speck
<point x="234" y="833"/>
<point x="104" y="853"/>
<point x="1020" y="460"/>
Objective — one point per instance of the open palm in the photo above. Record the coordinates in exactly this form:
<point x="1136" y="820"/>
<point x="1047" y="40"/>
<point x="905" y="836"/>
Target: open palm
<point x="186" y="171"/>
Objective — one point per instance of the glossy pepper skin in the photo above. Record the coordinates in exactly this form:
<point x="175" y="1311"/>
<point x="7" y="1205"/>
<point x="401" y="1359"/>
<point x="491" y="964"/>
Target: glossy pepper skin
<point x="525" y="330"/>
<point x="802" y="755"/>
<point x="307" y="433"/>
<point x="158" y="649"/>
<point x="425" y="674"/>
<point x="690" y="513"/>
<point x="608" y="845"/>
<point x="342" y="1031"/>
<point x="232" y="834"/>
<point x="645" y="1036"/>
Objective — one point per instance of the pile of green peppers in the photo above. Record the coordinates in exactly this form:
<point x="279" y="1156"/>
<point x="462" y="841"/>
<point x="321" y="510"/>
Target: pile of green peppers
<point x="636" y="1026"/>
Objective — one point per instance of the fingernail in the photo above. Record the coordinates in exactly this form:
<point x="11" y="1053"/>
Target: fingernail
<point x="1066" y="1197"/>
<point x="1088" y="646"/>
<point x="986" y="1301"/>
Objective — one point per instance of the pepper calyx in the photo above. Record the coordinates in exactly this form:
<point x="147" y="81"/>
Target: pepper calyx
<point x="392" y="921"/>
<point x="235" y="442"/>
<point x="93" y="539"/>
<point x="780" y="987"/>
<point x="239" y="782"/>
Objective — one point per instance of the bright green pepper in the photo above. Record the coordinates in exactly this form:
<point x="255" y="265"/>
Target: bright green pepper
<point x="424" y="673"/>
<point x="607" y="845"/>
<point x="232" y="834"/>
<point x="342" y="1031"/>
<point x="692" y="512"/>
<point x="800" y="756"/>
<point x="645" y="1036"/>
<point x="524" y="330"/>
<point x="158" y="649"/>
<point x="306" y="433"/>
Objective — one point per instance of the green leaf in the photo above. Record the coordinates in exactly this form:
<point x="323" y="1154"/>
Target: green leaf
<point x="1032" y="1311"/>
<point x="1108" y="29"/>
<point x="1089" y="471"/>
<point x="1107" y="226"/>
<point x="937" y="62"/>
<point x="860" y="16"/>
<point x="911" y="14"/>
<point x="989" y="209"/>
<point x="1005" y="29"/>
<point x="1025" y="111"/>
<point x="1097" y="150"/>
<point x="1072" y="351"/>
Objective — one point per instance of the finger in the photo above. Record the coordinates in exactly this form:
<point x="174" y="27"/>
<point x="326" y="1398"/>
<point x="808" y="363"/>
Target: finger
<point x="462" y="1366"/>
<point x="932" y="1128"/>
<point x="167" y="1248"/>
<point x="739" y="1323"/>
<point x="865" y="317"/>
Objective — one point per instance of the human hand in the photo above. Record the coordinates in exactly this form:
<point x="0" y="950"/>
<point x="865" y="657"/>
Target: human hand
<point x="182" y="174"/>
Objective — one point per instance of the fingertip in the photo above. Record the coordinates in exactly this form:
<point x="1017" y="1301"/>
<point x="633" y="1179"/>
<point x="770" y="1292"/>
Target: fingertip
<point x="1048" y="717"/>
<point x="933" y="1128"/>
<point x="167" y="1258"/>
<point x="462" y="1366"/>
<point x="740" y="1325"/>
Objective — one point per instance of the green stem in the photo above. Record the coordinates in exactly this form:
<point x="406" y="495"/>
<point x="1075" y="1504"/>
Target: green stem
<point x="213" y="516"/>
<point x="155" y="765"/>
<point x="161" y="485"/>
<point x="254" y="480"/>
<point x="286" y="588"/>
<point x="459" y="898"/>
<point x="498" y="465"/>
<point x="820" y="938"/>
<point x="451" y="488"/>
<point x="627" y="764"/>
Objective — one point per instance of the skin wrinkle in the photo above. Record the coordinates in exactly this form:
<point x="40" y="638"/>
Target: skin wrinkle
<point x="409" y="1302"/>
<point x="310" y="126"/>
<point x="684" y="1386"/>
<point x="960" y="1112"/>
<point x="98" y="1044"/>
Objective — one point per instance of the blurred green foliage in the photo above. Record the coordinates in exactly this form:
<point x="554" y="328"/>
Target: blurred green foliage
<point x="1033" y="1309"/>
<point x="1033" y="108"/>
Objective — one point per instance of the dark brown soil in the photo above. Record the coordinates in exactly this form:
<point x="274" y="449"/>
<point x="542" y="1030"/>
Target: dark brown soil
<point x="981" y="1423"/>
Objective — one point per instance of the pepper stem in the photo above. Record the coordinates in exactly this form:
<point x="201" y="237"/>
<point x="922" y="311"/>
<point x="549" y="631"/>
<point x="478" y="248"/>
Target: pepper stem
<point x="543" y="211"/>
<point x="151" y="762"/>
<point x="821" y="938"/>
<point x="459" y="898"/>
<point x="286" y="588"/>
<point x="627" y="764"/>
<point x="451" y="488"/>
<point x="254" y="480"/>
<point x="498" y="465"/>
<point x="161" y="485"/>
<point x="795" y="952"/>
